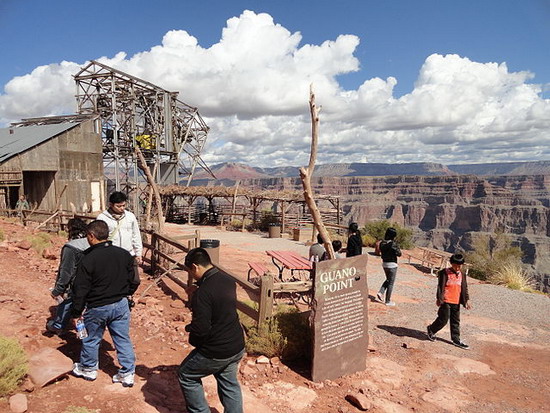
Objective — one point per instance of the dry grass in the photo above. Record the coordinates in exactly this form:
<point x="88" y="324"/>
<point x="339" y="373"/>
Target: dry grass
<point x="75" y="409"/>
<point x="40" y="241"/>
<point x="513" y="276"/>
<point x="13" y="365"/>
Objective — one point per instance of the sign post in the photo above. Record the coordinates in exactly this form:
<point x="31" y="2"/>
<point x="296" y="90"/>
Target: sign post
<point x="340" y="318"/>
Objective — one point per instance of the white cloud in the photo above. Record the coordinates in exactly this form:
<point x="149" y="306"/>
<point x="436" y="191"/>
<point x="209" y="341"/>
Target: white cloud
<point x="252" y="87"/>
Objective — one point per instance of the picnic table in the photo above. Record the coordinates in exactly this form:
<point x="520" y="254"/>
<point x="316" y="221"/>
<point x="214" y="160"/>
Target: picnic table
<point x="290" y="260"/>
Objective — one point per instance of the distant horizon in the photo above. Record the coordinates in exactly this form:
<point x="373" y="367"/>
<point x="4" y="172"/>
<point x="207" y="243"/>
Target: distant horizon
<point x="384" y="163"/>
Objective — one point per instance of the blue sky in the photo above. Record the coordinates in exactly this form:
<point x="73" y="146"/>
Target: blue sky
<point x="389" y="40"/>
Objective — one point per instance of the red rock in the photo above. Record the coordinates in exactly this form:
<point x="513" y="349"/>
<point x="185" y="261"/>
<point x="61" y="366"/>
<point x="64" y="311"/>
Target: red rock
<point x="49" y="254"/>
<point x="24" y="245"/>
<point x="359" y="400"/>
<point x="47" y="364"/>
<point x="18" y="403"/>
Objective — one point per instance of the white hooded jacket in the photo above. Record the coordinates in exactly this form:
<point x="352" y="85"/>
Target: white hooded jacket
<point x="124" y="233"/>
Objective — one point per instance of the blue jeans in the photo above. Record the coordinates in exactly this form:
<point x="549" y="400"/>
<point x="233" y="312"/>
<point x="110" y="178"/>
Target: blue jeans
<point x="62" y="314"/>
<point x="195" y="367"/>
<point x="116" y="317"/>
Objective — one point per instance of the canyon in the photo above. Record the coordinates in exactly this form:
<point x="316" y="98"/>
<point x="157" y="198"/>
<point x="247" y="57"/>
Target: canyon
<point x="446" y="210"/>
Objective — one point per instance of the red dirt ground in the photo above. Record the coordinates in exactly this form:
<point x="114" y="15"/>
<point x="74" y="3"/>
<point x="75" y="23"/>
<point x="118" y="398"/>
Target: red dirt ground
<point x="506" y="371"/>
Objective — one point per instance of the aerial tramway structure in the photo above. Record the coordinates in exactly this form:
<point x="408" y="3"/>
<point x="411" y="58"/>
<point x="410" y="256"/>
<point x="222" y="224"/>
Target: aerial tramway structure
<point x="135" y="113"/>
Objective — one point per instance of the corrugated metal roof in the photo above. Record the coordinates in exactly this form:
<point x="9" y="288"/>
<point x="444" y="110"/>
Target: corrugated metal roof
<point x="26" y="137"/>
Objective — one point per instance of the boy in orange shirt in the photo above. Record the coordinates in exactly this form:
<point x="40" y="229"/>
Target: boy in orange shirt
<point x="452" y="291"/>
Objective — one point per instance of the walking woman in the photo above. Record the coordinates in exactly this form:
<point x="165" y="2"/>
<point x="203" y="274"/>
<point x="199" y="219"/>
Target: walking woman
<point x="390" y="251"/>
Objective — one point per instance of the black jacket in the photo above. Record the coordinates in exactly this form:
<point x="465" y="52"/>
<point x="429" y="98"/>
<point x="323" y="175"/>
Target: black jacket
<point x="354" y="246"/>
<point x="215" y="329"/>
<point x="105" y="275"/>
<point x="389" y="251"/>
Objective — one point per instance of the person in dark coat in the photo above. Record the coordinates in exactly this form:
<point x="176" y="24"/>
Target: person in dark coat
<point x="389" y="250"/>
<point x="216" y="334"/>
<point x="452" y="292"/>
<point x="71" y="254"/>
<point x="355" y="243"/>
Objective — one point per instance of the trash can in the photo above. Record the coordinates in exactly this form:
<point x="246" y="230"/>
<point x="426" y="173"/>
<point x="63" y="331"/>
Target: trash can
<point x="274" y="230"/>
<point x="212" y="246"/>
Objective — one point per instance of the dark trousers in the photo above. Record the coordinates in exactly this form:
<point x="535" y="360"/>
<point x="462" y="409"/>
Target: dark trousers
<point x="387" y="286"/>
<point x="448" y="311"/>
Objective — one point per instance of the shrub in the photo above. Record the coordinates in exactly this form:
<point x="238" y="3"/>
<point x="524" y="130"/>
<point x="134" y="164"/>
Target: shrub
<point x="377" y="230"/>
<point x="513" y="276"/>
<point x="267" y="217"/>
<point x="288" y="335"/>
<point x="490" y="254"/>
<point x="369" y="240"/>
<point x="40" y="241"/>
<point x="13" y="365"/>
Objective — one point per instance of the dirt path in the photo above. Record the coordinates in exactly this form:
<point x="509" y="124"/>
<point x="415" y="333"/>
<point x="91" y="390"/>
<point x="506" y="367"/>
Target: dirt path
<point x="506" y="370"/>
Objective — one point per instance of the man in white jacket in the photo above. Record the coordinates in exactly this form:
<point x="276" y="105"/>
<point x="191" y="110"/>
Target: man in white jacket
<point x="123" y="225"/>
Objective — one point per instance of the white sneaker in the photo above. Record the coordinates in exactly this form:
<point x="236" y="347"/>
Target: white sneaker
<point x="127" y="379"/>
<point x="380" y="297"/>
<point x="85" y="373"/>
<point x="390" y="304"/>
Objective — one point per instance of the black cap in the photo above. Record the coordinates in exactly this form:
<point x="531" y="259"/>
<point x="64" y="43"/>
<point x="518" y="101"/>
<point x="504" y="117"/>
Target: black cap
<point x="457" y="259"/>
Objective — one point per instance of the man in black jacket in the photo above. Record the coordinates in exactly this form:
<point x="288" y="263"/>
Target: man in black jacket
<point x="104" y="280"/>
<point x="216" y="334"/>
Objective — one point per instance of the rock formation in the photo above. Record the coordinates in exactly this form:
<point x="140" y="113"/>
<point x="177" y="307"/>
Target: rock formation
<point x="446" y="212"/>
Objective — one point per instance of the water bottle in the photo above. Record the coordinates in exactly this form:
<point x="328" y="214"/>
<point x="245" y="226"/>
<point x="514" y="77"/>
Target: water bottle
<point x="81" y="331"/>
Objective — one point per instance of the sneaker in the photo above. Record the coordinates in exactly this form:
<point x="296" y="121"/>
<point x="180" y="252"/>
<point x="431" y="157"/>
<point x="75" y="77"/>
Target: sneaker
<point x="127" y="379"/>
<point x="462" y="345"/>
<point x="54" y="330"/>
<point x="85" y="373"/>
<point x="390" y="304"/>
<point x="380" y="297"/>
<point x="431" y="336"/>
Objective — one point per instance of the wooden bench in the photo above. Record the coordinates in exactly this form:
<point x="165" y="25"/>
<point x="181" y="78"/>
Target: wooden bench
<point x="258" y="267"/>
<point x="432" y="259"/>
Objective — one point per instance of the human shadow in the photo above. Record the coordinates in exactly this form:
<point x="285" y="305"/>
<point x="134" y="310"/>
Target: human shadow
<point x="72" y="345"/>
<point x="161" y="389"/>
<point x="404" y="332"/>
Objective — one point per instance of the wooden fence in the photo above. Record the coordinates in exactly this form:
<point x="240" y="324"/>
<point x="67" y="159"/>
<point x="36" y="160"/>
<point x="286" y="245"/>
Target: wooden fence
<point x="165" y="256"/>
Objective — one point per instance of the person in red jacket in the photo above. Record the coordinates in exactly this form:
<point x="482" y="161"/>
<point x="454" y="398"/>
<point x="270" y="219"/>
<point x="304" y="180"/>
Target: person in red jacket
<point x="452" y="292"/>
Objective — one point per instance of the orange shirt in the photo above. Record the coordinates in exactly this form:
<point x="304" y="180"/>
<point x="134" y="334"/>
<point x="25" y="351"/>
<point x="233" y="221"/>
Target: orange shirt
<point x="451" y="294"/>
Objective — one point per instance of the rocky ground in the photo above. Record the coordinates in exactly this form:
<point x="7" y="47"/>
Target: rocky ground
<point x="506" y="369"/>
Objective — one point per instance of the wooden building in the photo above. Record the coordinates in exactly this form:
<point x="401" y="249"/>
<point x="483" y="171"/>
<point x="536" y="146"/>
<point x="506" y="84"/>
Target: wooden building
<point x="55" y="163"/>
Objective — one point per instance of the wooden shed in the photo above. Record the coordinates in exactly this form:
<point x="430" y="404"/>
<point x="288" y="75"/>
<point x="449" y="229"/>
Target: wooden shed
<point x="55" y="164"/>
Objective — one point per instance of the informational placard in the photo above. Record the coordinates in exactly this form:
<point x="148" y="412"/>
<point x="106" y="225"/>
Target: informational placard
<point x="340" y="318"/>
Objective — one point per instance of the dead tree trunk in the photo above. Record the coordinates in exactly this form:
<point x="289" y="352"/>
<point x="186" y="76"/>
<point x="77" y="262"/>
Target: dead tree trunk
<point x="306" y="174"/>
<point x="151" y="180"/>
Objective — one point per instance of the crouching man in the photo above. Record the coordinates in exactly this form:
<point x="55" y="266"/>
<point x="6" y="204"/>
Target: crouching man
<point x="104" y="280"/>
<point x="216" y="334"/>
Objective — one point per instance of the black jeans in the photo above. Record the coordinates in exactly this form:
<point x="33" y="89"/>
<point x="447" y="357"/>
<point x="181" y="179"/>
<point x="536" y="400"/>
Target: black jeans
<point x="445" y="312"/>
<point x="387" y="287"/>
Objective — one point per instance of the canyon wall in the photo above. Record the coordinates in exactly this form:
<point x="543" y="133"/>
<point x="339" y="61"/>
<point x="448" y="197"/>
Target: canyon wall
<point x="446" y="212"/>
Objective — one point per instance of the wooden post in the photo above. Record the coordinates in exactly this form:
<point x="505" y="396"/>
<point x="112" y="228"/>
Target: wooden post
<point x="154" y="255"/>
<point x="235" y="197"/>
<point x="265" y="310"/>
